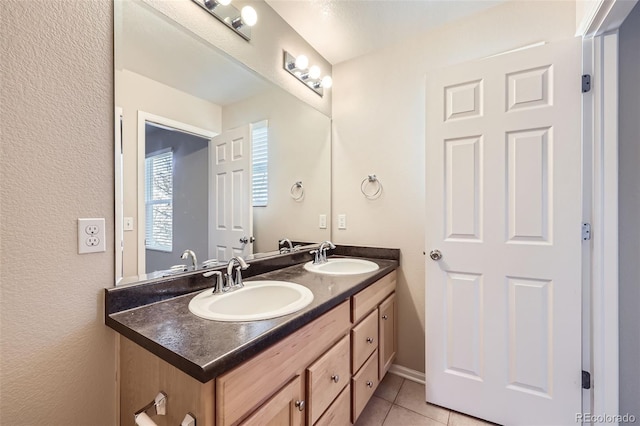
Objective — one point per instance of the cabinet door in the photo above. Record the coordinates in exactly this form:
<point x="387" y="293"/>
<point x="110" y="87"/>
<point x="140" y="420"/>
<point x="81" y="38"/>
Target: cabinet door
<point x="285" y="408"/>
<point x="387" y="334"/>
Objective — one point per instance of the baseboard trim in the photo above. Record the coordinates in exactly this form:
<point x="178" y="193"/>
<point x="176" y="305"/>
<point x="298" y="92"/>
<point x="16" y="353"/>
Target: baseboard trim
<point x="407" y="373"/>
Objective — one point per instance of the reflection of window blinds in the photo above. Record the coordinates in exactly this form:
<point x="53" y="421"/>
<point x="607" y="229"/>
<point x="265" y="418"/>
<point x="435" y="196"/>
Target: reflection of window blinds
<point x="259" y="152"/>
<point x="159" y="201"/>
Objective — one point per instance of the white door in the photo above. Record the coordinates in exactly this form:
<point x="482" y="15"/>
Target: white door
<point x="503" y="186"/>
<point x="230" y="221"/>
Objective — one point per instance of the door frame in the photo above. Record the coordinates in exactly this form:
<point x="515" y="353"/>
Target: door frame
<point x="599" y="32"/>
<point x="143" y="119"/>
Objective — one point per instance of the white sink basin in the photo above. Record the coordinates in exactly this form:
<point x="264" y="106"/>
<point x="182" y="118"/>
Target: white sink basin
<point x="342" y="266"/>
<point x="257" y="300"/>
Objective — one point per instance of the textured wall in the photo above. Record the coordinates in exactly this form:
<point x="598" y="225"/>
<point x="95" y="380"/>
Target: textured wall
<point x="56" y="114"/>
<point x="629" y="212"/>
<point x="379" y="127"/>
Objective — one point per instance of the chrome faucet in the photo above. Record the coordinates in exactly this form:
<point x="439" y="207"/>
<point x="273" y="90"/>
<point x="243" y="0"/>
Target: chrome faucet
<point x="321" y="253"/>
<point x="218" y="287"/>
<point x="194" y="260"/>
<point x="285" y="249"/>
<point x="237" y="283"/>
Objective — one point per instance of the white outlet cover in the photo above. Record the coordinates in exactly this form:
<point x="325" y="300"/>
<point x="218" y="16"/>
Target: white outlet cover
<point x="91" y="235"/>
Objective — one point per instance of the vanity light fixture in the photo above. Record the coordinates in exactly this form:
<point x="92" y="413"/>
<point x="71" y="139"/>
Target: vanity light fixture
<point x="308" y="75"/>
<point x="239" y="21"/>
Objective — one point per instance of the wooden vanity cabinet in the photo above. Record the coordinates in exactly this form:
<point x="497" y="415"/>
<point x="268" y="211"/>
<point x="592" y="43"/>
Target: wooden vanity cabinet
<point x="322" y="374"/>
<point x="373" y="339"/>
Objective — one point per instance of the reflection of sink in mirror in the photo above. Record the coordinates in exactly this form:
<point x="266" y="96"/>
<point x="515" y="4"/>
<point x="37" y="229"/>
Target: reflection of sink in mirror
<point x="257" y="300"/>
<point x="342" y="266"/>
<point x="193" y="117"/>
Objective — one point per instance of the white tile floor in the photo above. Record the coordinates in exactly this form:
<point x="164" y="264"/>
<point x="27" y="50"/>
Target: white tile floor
<point x="400" y="402"/>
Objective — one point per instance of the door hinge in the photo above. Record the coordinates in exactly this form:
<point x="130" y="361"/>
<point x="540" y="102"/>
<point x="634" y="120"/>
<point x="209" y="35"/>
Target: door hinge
<point x="586" y="231"/>
<point x="586" y="83"/>
<point x="586" y="380"/>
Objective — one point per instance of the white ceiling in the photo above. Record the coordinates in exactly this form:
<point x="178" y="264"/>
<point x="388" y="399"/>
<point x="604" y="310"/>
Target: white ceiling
<point x="344" y="29"/>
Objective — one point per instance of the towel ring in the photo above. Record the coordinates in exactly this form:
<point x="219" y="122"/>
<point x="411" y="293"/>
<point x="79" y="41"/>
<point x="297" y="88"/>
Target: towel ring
<point x="297" y="191"/>
<point x="370" y="180"/>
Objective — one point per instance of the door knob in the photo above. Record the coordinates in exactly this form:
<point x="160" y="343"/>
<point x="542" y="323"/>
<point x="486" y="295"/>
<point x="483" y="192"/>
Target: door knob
<point x="245" y="240"/>
<point x="435" y="254"/>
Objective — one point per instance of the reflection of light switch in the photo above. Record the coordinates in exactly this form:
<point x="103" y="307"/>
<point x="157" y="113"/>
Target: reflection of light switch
<point x="342" y="221"/>
<point x="323" y="221"/>
<point x="128" y="224"/>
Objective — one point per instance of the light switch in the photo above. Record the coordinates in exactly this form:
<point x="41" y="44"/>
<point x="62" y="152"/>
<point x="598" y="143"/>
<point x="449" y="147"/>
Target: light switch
<point x="128" y="224"/>
<point x="342" y="221"/>
<point x="323" y="221"/>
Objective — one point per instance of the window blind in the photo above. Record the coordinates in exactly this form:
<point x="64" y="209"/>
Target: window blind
<point x="159" y="201"/>
<point x="259" y="169"/>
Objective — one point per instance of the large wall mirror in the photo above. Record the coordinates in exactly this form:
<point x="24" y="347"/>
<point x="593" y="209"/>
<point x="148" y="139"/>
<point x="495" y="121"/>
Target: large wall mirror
<point x="210" y="157"/>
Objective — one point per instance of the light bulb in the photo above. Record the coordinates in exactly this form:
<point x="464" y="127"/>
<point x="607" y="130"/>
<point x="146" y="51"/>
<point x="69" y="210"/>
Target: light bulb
<point x="302" y="62"/>
<point x="314" y="72"/>
<point x="249" y="16"/>
<point x="224" y="2"/>
<point x="327" y="81"/>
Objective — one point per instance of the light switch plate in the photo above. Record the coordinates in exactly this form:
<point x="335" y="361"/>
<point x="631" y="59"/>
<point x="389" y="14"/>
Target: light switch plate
<point x="128" y="224"/>
<point x="323" y="221"/>
<point x="342" y="221"/>
<point x="91" y="235"/>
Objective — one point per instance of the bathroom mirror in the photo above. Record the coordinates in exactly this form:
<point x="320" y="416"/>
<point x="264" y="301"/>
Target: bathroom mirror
<point x="210" y="156"/>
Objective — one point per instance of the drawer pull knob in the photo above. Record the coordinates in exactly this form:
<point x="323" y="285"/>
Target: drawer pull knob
<point x="369" y="339"/>
<point x="385" y="317"/>
<point x="300" y="405"/>
<point x="369" y="383"/>
<point x="335" y="378"/>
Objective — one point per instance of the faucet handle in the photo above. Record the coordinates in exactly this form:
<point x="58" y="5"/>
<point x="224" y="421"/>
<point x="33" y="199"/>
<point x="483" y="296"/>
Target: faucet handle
<point x="238" y="281"/>
<point x="218" y="286"/>
<point x="316" y="256"/>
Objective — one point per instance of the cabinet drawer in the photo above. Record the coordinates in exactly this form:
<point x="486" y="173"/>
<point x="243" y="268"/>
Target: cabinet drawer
<point x="338" y="413"/>
<point x="363" y="302"/>
<point x="327" y="377"/>
<point x="363" y="385"/>
<point x="364" y="340"/>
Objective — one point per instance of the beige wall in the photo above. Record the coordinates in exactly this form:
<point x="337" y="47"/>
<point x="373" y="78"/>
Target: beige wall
<point x="56" y="114"/>
<point x="299" y="150"/>
<point x="138" y="93"/>
<point x="379" y="127"/>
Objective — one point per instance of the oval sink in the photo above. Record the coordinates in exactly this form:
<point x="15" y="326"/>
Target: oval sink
<point x="342" y="266"/>
<point x="257" y="300"/>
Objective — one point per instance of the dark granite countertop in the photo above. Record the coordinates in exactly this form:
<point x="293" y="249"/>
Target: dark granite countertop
<point x="205" y="349"/>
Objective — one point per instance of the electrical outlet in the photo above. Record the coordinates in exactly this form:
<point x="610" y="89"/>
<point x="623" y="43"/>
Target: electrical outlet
<point x="323" y="221"/>
<point x="91" y="235"/>
<point x="342" y="221"/>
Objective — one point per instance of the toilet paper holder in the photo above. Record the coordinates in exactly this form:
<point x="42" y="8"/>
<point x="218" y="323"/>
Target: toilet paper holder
<point x="159" y="404"/>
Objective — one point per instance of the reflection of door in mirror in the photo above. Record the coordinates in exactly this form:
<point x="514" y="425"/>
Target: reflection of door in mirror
<point x="176" y="195"/>
<point x="230" y="220"/>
